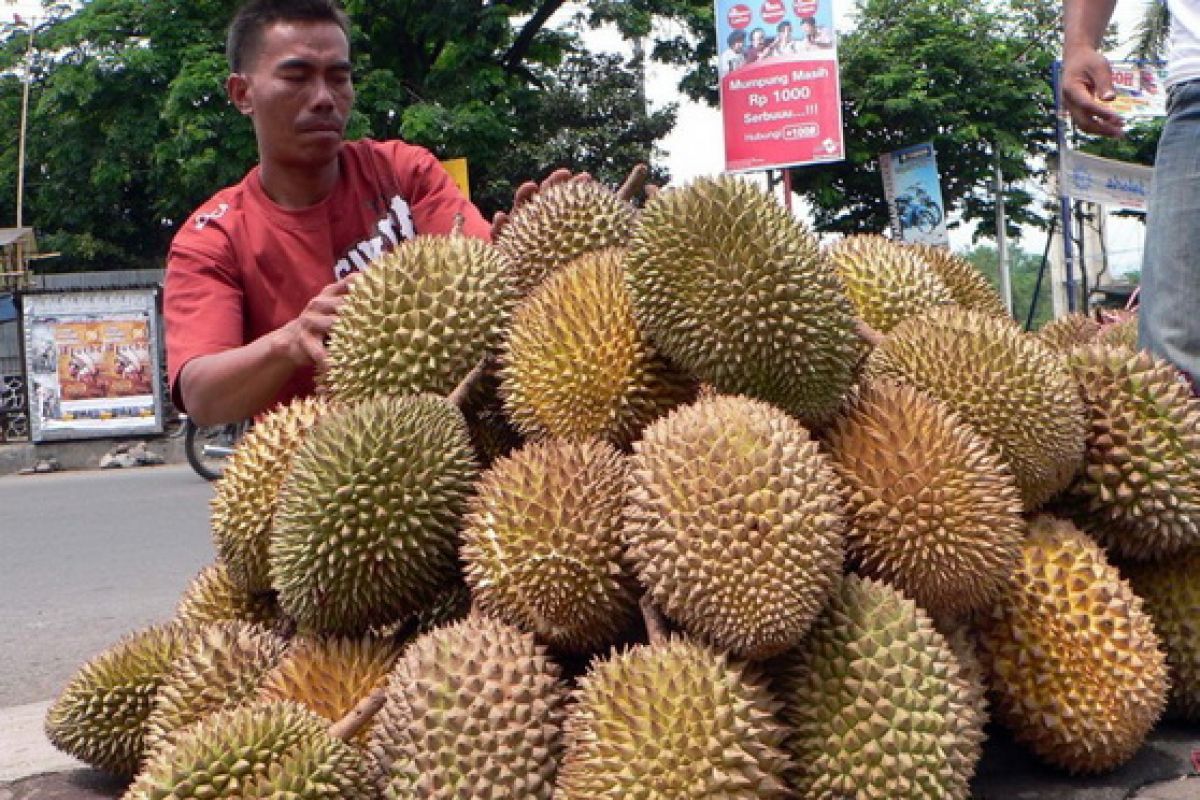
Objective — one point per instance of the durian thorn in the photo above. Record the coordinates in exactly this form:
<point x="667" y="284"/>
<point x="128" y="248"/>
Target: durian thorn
<point x="867" y="333"/>
<point x="634" y="183"/>
<point x="359" y="717"/>
<point x="459" y="396"/>
<point x="656" y="625"/>
<point x="460" y="222"/>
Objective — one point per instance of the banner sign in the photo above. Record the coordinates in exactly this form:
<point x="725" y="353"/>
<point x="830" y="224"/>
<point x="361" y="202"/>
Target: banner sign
<point x="913" y="191"/>
<point x="1104" y="180"/>
<point x="93" y="364"/>
<point x="1141" y="89"/>
<point x="780" y="92"/>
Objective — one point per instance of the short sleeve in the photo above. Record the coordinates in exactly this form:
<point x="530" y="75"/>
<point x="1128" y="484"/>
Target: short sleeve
<point x="202" y="307"/>
<point x="432" y="194"/>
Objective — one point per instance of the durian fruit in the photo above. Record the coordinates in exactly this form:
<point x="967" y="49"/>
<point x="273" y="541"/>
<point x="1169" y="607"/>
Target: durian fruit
<point x="1141" y="483"/>
<point x="673" y="720"/>
<point x="330" y="674"/>
<point x="474" y="710"/>
<point x="366" y="523"/>
<point x="1008" y="386"/>
<point x="1075" y="667"/>
<point x="220" y="667"/>
<point x="542" y="543"/>
<point x="879" y="704"/>
<point x="1068" y="332"/>
<point x="1171" y="592"/>
<point x="213" y="597"/>
<point x="100" y="717"/>
<point x="731" y="288"/>
<point x="243" y="504"/>
<point x="492" y="434"/>
<point x="734" y="523"/>
<point x="575" y="363"/>
<point x="1122" y="332"/>
<point x="419" y="319"/>
<point x="967" y="285"/>
<point x="886" y="282"/>
<point x="934" y="511"/>
<point x="259" y="751"/>
<point x="559" y="225"/>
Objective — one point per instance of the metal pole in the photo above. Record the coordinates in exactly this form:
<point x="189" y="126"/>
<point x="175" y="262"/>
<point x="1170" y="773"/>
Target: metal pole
<point x="24" y="119"/>
<point x="1064" y="202"/>
<point x="1002" y="239"/>
<point x="787" y="189"/>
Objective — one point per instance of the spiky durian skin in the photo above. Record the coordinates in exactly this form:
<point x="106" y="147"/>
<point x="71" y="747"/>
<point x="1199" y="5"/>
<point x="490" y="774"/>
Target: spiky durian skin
<point x="542" y="543"/>
<point x="559" y="225"/>
<point x="366" y="526"/>
<point x="575" y="363"/>
<point x="261" y="750"/>
<point x="1171" y="591"/>
<point x="967" y="285"/>
<point x="672" y="720"/>
<point x="213" y="597"/>
<point x="933" y="510"/>
<point x="886" y="281"/>
<point x="732" y="289"/>
<point x="419" y="319"/>
<point x="879" y="704"/>
<point x="330" y="674"/>
<point x="243" y="503"/>
<point x="100" y="716"/>
<point x="220" y="667"/>
<point x="474" y="710"/>
<point x="1008" y="386"/>
<point x="1141" y="481"/>
<point x="1068" y="332"/>
<point x="734" y="523"/>
<point x="1122" y="332"/>
<point x="1074" y="664"/>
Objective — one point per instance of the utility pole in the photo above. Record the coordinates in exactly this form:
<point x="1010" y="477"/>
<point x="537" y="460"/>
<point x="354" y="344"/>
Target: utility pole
<point x="1002" y="238"/>
<point x="24" y="121"/>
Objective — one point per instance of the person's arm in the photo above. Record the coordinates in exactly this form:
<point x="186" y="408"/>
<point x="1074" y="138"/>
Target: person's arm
<point x="1086" y="75"/>
<point x="240" y="382"/>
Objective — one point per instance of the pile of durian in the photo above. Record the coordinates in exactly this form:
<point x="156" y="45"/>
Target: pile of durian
<point x="666" y="501"/>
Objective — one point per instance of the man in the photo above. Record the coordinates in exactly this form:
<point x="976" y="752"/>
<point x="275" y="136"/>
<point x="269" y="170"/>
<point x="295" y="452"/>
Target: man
<point x="255" y="276"/>
<point x="1168" y="323"/>
<point x="733" y="57"/>
<point x="758" y="44"/>
<point x="812" y="37"/>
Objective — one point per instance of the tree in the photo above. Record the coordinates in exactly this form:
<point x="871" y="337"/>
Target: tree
<point x="130" y="129"/>
<point x="1023" y="270"/>
<point x="971" y="77"/>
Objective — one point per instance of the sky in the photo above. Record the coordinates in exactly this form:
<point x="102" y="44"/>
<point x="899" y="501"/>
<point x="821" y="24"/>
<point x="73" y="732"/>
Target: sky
<point x="696" y="146"/>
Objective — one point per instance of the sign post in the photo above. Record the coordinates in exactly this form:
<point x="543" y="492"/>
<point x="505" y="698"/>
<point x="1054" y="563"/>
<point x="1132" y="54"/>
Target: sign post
<point x="913" y="190"/>
<point x="780" y="90"/>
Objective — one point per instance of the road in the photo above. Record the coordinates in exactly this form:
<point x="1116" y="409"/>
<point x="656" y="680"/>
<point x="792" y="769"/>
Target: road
<point x="86" y="557"/>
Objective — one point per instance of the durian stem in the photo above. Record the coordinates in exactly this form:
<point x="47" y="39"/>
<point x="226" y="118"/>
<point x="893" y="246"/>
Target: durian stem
<point x="868" y="334"/>
<point x="459" y="396"/>
<point x="359" y="717"/>
<point x="634" y="183"/>
<point x="656" y="625"/>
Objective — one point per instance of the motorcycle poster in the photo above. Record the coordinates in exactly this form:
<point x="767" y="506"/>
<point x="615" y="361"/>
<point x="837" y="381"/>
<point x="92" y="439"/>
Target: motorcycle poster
<point x="780" y="85"/>
<point x="913" y="190"/>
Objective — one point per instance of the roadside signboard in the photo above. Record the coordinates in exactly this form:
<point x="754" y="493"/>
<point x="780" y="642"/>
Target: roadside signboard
<point x="92" y="361"/>
<point x="1141" y="89"/>
<point x="913" y="190"/>
<point x="1105" y="180"/>
<point x="780" y="91"/>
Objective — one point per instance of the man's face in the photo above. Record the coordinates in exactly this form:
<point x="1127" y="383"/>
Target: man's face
<point x="298" y="91"/>
<point x="739" y="45"/>
<point x="756" y="39"/>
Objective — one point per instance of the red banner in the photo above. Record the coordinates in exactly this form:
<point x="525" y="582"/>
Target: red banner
<point x="782" y="113"/>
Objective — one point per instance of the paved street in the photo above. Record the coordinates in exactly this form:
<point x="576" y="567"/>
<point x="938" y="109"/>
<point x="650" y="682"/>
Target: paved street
<point x="86" y="557"/>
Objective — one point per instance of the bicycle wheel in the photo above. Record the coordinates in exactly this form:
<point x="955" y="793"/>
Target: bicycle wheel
<point x="196" y="439"/>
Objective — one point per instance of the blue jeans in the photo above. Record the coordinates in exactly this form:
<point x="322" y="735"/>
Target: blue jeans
<point x="1169" y="318"/>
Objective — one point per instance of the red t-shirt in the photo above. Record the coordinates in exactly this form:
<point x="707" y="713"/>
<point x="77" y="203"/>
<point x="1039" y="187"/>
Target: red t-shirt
<point x="243" y="266"/>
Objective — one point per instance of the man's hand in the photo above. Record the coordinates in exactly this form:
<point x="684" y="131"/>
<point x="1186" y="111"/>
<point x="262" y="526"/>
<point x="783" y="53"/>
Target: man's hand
<point x="1086" y="81"/>
<point x="304" y="337"/>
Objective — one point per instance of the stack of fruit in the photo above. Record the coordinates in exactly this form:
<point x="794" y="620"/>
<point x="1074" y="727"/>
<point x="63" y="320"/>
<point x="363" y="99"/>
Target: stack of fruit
<point x="721" y="515"/>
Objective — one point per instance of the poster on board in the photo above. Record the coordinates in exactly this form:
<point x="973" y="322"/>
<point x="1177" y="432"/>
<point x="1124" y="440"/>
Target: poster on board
<point x="780" y="92"/>
<point x="913" y="190"/>
<point x="92" y="360"/>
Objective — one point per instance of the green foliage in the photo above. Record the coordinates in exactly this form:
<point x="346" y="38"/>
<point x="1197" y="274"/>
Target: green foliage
<point x="968" y="76"/>
<point x="130" y="128"/>
<point x="1023" y="273"/>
